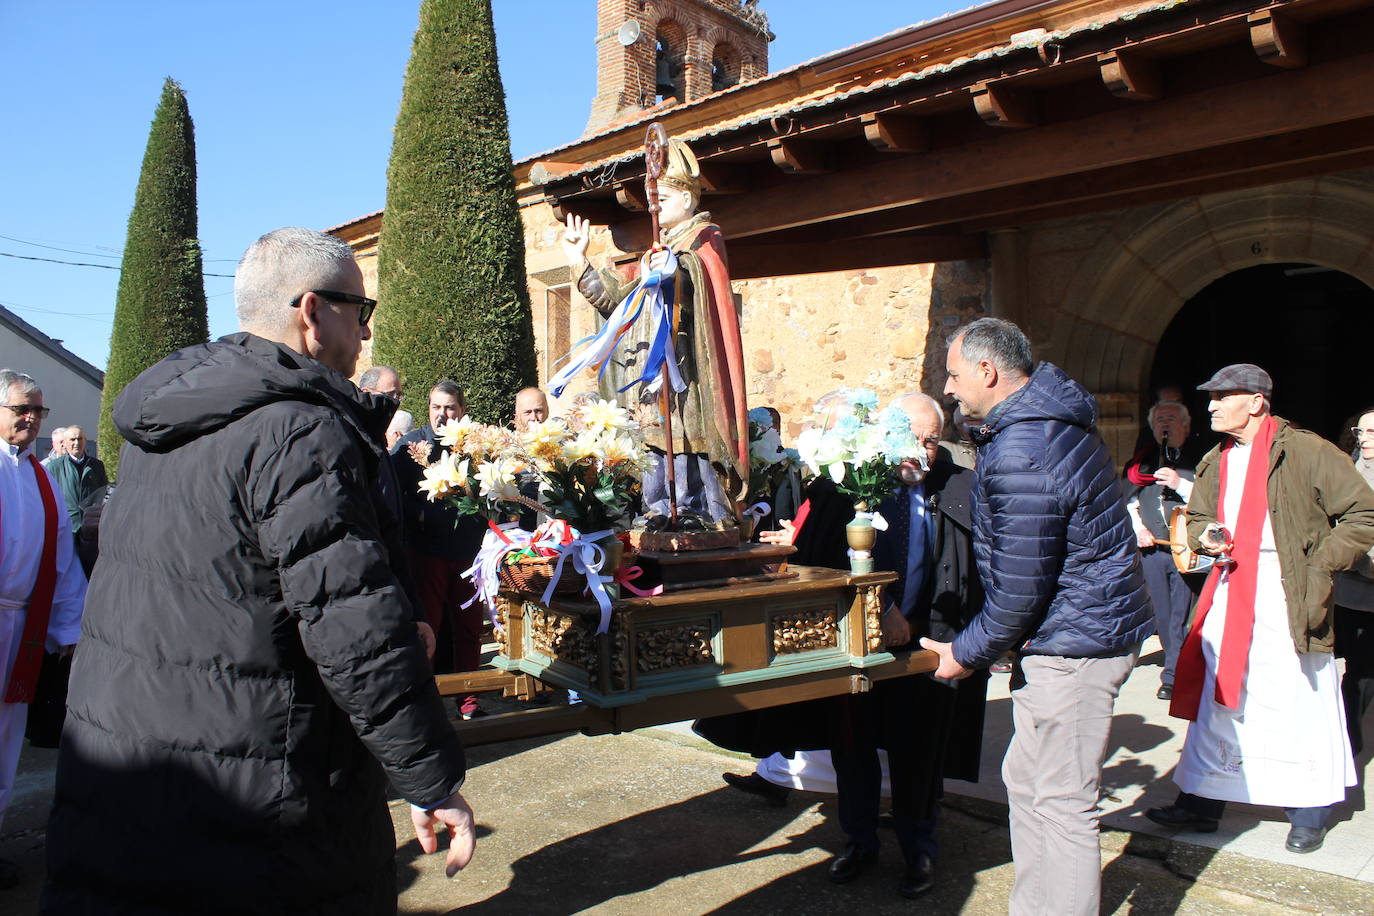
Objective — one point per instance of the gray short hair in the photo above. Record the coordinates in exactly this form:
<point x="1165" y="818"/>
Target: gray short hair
<point x="923" y="398"/>
<point x="1183" y="408"/>
<point x="14" y="384"/>
<point x="279" y="267"/>
<point x="996" y="341"/>
<point x="373" y="375"/>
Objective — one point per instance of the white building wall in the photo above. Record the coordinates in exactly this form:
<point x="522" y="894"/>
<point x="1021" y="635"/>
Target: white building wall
<point x="72" y="397"/>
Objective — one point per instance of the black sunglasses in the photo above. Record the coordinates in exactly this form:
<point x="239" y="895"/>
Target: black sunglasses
<point x="365" y="305"/>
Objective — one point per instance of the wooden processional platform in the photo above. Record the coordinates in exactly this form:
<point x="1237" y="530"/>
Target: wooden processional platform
<point x="686" y="654"/>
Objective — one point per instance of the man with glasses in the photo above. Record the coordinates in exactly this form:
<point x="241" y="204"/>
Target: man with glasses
<point x="1158" y="481"/>
<point x="42" y="587"/>
<point x="254" y="675"/>
<point x="1283" y="509"/>
<point x="929" y="543"/>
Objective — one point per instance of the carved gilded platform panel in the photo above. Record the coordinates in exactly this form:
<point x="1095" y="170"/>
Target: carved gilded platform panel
<point x="805" y="630"/>
<point x="683" y="644"/>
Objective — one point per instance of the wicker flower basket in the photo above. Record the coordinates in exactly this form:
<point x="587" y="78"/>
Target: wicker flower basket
<point x="532" y="574"/>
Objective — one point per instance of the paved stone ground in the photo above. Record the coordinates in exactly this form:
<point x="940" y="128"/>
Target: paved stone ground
<point x="642" y="823"/>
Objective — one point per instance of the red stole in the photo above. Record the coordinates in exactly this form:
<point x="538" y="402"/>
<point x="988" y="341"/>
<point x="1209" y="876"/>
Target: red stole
<point x="24" y="678"/>
<point x="1241" y="588"/>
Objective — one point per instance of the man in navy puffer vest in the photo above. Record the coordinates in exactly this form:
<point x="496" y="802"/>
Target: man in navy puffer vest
<point x="1064" y="588"/>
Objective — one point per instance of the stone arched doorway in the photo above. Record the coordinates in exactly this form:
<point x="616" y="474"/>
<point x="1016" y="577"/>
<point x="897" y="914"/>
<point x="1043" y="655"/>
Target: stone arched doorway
<point x="1151" y="261"/>
<point x="1308" y="326"/>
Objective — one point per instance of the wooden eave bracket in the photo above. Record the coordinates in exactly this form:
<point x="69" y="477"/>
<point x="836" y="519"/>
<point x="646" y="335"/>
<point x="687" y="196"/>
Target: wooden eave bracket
<point x="559" y="212"/>
<point x="800" y="157"/>
<point x="1002" y="106"/>
<point x="631" y="196"/>
<point x="889" y="132"/>
<point x="1130" y="76"/>
<point x="722" y="178"/>
<point x="1277" y="39"/>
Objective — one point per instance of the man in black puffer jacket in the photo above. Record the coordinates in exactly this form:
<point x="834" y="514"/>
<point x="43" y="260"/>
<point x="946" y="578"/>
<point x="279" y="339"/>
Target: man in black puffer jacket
<point x="1063" y="585"/>
<point x="248" y="658"/>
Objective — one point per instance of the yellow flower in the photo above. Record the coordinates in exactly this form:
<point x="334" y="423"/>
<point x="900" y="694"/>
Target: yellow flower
<point x="599" y="415"/>
<point x="546" y="453"/>
<point x="452" y="433"/>
<point x="497" y="479"/>
<point x="585" y="444"/>
<point x="444" y="477"/>
<point x="550" y="430"/>
<point x="619" y="450"/>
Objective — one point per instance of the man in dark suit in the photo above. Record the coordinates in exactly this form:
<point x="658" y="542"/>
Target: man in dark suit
<point x="930" y="728"/>
<point x="442" y="544"/>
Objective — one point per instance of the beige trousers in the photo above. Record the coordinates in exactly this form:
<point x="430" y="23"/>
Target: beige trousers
<point x="1062" y="714"/>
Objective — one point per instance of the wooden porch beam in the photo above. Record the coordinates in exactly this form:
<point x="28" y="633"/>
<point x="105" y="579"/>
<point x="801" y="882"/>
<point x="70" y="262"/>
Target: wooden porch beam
<point x="1234" y="181"/>
<point x="1001" y="106"/>
<point x="1090" y="190"/>
<point x="1130" y="76"/>
<point x="1319" y="95"/>
<point x="800" y="157"/>
<point x="888" y="132"/>
<point x="1277" y="39"/>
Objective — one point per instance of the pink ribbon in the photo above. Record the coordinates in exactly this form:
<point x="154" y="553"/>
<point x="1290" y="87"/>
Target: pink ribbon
<point x="628" y="574"/>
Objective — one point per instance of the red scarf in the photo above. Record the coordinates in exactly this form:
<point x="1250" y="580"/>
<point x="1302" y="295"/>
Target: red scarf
<point x="1241" y="584"/>
<point x="24" y="677"/>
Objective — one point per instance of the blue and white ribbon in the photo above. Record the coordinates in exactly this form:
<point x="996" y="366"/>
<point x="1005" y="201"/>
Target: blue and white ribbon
<point x="757" y="511"/>
<point x="485" y="569"/>
<point x="655" y="292"/>
<point x="588" y="558"/>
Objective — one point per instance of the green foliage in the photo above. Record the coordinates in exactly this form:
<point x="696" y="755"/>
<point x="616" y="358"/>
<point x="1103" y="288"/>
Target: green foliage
<point x="160" y="306"/>
<point x="451" y="264"/>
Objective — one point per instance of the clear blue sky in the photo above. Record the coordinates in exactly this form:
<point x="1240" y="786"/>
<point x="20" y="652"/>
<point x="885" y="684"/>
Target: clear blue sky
<point x="293" y="102"/>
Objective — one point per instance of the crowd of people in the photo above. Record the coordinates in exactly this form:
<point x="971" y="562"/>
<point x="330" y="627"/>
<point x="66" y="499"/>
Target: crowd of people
<point x="256" y="647"/>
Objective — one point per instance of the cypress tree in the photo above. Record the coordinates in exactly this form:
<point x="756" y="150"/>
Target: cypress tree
<point x="160" y="306"/>
<point x="451" y="264"/>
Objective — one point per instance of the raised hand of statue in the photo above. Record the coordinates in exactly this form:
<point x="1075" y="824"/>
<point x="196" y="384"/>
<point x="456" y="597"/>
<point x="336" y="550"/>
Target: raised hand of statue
<point x="576" y="237"/>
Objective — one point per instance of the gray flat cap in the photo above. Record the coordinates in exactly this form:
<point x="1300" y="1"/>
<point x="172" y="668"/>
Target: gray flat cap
<point x="1240" y="377"/>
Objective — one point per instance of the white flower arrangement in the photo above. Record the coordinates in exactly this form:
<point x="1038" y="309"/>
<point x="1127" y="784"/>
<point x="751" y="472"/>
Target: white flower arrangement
<point x="858" y="446"/>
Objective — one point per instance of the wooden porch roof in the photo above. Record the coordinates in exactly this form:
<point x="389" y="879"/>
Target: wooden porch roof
<point x="910" y="148"/>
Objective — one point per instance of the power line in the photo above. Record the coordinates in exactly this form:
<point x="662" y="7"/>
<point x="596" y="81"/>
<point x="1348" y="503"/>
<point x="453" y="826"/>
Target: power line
<point x="89" y="254"/>
<point x="91" y="316"/>
<point x="29" y="257"/>
<point x="96" y="254"/>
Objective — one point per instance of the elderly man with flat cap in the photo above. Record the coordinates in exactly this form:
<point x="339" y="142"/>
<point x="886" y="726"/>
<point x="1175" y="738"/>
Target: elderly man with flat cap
<point x="1283" y="509"/>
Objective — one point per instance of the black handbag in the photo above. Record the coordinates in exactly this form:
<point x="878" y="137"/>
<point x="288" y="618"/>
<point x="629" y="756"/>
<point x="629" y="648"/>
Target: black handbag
<point x="48" y="710"/>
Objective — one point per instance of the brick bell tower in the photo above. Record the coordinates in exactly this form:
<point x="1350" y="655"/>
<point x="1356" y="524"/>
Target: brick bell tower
<point x="654" y="51"/>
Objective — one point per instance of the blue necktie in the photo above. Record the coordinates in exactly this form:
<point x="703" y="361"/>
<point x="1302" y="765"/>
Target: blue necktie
<point x="915" y="549"/>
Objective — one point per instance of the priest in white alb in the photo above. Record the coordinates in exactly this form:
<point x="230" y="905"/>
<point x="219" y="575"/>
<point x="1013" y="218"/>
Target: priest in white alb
<point x="1283" y="509"/>
<point x="42" y="587"/>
